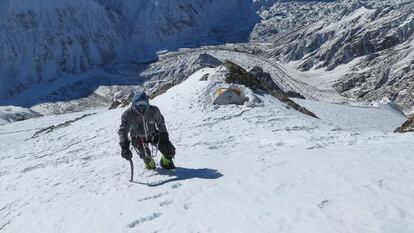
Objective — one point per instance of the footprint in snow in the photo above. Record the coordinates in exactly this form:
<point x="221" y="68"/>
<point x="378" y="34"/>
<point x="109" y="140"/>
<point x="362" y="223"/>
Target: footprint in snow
<point x="176" y="186"/>
<point x="152" y="197"/>
<point x="166" y="202"/>
<point x="143" y="220"/>
<point x="187" y="205"/>
<point x="323" y="204"/>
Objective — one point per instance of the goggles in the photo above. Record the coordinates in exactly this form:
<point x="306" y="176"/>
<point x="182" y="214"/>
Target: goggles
<point x="141" y="103"/>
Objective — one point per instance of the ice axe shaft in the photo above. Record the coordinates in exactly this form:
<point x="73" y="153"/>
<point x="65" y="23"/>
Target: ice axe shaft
<point x="132" y="170"/>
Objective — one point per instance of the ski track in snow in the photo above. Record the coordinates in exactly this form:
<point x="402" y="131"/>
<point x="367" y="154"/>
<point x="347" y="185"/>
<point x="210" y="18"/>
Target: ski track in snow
<point x="240" y="169"/>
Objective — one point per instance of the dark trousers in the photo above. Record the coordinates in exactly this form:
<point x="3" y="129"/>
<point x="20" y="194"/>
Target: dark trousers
<point x="144" y="152"/>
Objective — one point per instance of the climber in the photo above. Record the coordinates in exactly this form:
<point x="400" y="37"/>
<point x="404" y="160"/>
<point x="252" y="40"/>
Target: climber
<point x="145" y="125"/>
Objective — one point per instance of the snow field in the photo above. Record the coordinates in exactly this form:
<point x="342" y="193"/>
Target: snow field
<point x="240" y="169"/>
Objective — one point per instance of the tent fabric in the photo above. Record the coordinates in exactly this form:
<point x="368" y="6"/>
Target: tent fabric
<point x="224" y="96"/>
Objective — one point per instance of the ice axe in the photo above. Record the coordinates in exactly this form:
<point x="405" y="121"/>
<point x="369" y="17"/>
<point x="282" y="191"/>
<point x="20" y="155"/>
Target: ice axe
<point x="132" y="170"/>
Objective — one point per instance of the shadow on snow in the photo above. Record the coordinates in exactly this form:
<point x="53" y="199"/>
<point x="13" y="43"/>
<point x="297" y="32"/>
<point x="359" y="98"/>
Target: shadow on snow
<point x="180" y="174"/>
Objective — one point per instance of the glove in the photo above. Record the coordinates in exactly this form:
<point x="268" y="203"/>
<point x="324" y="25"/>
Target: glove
<point x="164" y="138"/>
<point x="126" y="152"/>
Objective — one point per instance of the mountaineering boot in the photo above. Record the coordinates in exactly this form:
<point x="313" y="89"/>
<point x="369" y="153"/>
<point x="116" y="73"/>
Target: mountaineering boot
<point x="150" y="165"/>
<point x="166" y="163"/>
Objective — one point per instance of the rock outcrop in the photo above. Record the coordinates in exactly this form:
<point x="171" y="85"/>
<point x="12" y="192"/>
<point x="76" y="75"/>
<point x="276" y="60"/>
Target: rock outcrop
<point x="257" y="79"/>
<point x="408" y="126"/>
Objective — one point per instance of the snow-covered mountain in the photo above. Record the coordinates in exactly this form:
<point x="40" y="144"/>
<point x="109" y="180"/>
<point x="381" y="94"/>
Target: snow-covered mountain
<point x="367" y="44"/>
<point x="40" y="41"/>
<point x="359" y="49"/>
<point x="260" y="165"/>
<point x="265" y="165"/>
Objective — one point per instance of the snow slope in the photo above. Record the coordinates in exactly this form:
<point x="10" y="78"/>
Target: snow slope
<point x="256" y="168"/>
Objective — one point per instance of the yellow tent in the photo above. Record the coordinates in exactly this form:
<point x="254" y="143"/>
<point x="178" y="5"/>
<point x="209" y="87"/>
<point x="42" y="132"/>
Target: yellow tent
<point x="225" y="96"/>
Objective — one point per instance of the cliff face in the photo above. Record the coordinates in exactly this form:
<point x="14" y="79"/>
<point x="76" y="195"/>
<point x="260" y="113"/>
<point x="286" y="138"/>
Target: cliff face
<point x="41" y="40"/>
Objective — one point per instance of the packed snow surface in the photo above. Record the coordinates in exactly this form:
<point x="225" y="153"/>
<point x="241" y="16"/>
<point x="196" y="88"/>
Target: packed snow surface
<point x="251" y="168"/>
